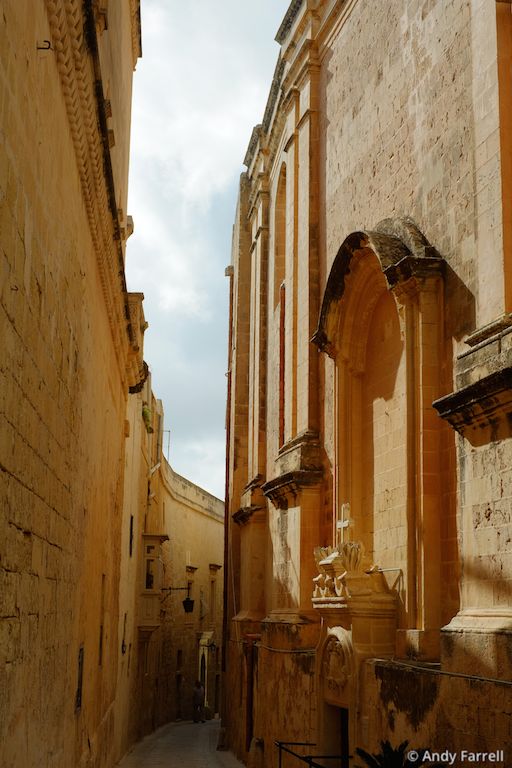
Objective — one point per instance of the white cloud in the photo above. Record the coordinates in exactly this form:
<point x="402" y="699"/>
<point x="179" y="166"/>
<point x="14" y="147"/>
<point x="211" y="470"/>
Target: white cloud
<point x="200" y="87"/>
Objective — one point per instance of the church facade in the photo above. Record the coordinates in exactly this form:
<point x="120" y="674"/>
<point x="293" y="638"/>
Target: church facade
<point x="369" y="529"/>
<point x="101" y="541"/>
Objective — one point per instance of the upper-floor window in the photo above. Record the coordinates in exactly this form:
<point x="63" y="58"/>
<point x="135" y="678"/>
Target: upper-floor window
<point x="150" y="566"/>
<point x="280" y="235"/>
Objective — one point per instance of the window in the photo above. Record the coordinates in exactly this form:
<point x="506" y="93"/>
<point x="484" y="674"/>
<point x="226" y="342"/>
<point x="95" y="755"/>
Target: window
<point x="80" y="677"/>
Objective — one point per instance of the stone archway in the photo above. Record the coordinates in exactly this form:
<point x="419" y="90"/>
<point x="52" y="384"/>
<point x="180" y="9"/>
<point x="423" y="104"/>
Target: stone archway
<point x="389" y="281"/>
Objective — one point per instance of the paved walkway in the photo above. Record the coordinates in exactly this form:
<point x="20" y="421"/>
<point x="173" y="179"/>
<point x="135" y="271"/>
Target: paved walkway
<point x="181" y="745"/>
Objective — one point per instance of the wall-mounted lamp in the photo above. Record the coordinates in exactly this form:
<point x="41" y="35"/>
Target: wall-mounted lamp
<point x="188" y="603"/>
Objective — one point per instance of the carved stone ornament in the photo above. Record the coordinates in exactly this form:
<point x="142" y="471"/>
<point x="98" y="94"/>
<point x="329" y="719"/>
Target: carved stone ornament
<point x="342" y="574"/>
<point x="337" y="663"/>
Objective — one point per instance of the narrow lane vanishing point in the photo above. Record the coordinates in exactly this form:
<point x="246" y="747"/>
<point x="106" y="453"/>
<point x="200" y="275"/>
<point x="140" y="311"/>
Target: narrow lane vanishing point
<point x="181" y="745"/>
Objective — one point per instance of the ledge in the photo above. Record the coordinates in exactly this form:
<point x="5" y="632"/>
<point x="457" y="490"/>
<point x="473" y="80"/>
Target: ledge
<point x="285" y="488"/>
<point x="300" y="453"/>
<point x="288" y="21"/>
<point x="479" y="407"/>
<point x="244" y="514"/>
<point x="403" y="253"/>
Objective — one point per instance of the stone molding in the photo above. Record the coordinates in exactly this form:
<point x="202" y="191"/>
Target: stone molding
<point x="485" y="403"/>
<point x="284" y="489"/>
<point x="485" y="333"/>
<point x="244" y="514"/>
<point x="480" y="408"/>
<point x="253" y="145"/>
<point x="273" y="95"/>
<point x="300" y="453"/>
<point x="338" y="663"/>
<point x="136" y="31"/>
<point x="403" y="252"/>
<point x="288" y="21"/>
<point x="73" y="35"/>
<point x="138" y="370"/>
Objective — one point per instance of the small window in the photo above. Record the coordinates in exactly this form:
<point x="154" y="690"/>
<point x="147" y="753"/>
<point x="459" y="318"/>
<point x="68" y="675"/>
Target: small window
<point x="102" y="620"/>
<point x="80" y="677"/>
<point x="150" y="572"/>
<point x="131" y="535"/>
<point x="213" y="599"/>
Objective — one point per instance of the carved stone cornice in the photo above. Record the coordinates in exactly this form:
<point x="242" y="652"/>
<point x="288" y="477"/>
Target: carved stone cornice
<point x="485" y="333"/>
<point x="136" y="31"/>
<point x="253" y="145"/>
<point x="300" y="453"/>
<point x="480" y="408"/>
<point x="486" y="403"/>
<point x="288" y="21"/>
<point x="243" y="515"/>
<point x="404" y="254"/>
<point x="273" y="95"/>
<point x="73" y="34"/>
<point x="413" y="267"/>
<point x="137" y="369"/>
<point x="283" y="490"/>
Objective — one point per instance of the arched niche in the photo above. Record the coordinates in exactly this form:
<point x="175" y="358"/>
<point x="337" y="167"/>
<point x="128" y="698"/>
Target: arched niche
<point x="381" y="322"/>
<point x="338" y="667"/>
<point x="337" y="705"/>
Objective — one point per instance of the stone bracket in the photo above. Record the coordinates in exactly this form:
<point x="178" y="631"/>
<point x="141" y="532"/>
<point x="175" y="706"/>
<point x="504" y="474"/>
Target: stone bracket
<point x="283" y="490"/>
<point x="244" y="514"/>
<point x="485" y="403"/>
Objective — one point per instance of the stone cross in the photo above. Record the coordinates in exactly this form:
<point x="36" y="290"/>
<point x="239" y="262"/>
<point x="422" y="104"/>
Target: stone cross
<point x="343" y="523"/>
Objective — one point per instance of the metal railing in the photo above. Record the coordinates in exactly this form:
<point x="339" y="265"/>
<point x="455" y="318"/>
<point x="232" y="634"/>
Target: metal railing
<point x="310" y="760"/>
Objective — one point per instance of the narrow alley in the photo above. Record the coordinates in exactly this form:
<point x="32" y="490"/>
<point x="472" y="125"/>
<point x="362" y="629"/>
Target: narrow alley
<point x="181" y="745"/>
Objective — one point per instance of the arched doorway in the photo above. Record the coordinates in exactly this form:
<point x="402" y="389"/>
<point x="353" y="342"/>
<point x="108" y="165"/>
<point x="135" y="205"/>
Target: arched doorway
<point x="337" y="696"/>
<point x="381" y="323"/>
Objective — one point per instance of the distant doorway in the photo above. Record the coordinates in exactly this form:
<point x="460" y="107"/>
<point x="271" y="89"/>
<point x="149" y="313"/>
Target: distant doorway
<point x="336" y="734"/>
<point x="203" y="670"/>
<point x="179" y="695"/>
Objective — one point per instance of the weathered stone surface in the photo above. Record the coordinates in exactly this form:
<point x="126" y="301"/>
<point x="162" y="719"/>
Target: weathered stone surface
<point x="67" y="362"/>
<point x="382" y="171"/>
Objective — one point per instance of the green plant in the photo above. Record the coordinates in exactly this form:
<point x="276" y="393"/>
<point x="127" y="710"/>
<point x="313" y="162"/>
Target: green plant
<point x="394" y="757"/>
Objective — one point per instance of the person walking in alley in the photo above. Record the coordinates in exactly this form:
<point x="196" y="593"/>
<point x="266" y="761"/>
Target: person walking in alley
<point x="198" y="702"/>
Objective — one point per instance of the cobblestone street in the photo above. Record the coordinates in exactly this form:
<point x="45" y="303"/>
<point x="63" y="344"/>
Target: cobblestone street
<point x="181" y="745"/>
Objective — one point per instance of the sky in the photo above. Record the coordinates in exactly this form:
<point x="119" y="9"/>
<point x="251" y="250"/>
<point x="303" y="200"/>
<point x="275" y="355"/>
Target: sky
<point x="199" y="89"/>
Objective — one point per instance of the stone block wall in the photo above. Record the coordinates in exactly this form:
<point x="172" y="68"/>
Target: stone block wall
<point x="379" y="112"/>
<point x="63" y="396"/>
<point x="433" y="710"/>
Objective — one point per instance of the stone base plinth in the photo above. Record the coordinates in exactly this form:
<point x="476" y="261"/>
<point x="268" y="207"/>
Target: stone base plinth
<point x="418" y="644"/>
<point x="479" y="643"/>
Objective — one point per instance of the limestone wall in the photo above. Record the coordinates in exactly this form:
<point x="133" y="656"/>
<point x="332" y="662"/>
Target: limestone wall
<point x="433" y="710"/>
<point x="63" y="387"/>
<point x="377" y="192"/>
<point x="194" y="555"/>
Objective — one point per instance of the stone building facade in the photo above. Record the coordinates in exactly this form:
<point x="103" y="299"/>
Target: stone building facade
<point x="370" y="387"/>
<point x="90" y="511"/>
<point x="71" y="351"/>
<point x="172" y="551"/>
